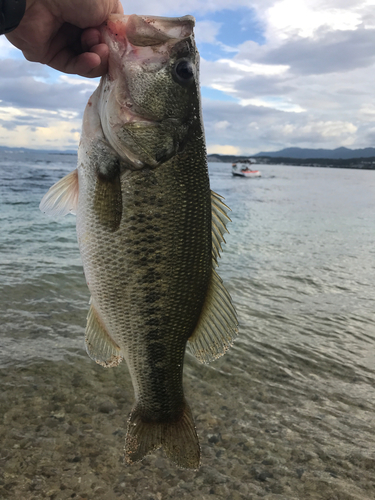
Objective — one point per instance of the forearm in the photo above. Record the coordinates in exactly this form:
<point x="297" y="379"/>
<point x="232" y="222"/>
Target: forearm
<point x="11" y="13"/>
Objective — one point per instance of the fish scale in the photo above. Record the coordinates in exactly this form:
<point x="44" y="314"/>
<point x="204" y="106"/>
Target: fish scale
<point x="149" y="228"/>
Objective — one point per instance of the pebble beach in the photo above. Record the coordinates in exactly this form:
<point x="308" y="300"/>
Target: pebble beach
<point x="64" y="428"/>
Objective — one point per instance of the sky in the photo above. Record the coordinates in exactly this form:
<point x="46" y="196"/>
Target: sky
<point x="274" y="74"/>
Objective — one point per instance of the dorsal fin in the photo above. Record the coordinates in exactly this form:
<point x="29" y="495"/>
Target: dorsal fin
<point x="62" y="197"/>
<point x="219" y="224"/>
<point x="217" y="326"/>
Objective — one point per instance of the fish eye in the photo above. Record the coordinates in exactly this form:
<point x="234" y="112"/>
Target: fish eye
<point x="183" y="71"/>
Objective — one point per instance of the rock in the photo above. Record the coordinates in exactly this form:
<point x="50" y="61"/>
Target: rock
<point x="107" y="407"/>
<point x="269" y="461"/>
<point x="300" y="472"/>
<point x="264" y="475"/>
<point x="214" y="438"/>
<point x="212" y="476"/>
<point x="81" y="409"/>
<point x="71" y="430"/>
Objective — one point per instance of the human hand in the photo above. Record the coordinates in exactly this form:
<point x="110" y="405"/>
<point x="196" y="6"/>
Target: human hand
<point x="63" y="34"/>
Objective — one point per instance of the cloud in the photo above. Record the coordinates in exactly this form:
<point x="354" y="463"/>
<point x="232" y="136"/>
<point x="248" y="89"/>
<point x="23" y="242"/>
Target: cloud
<point x="305" y="79"/>
<point x="7" y="49"/>
<point x="326" y="52"/>
<point x="279" y="103"/>
<point x="248" y="66"/>
<point x="207" y="31"/>
<point x="180" y="7"/>
<point x="39" y="128"/>
<point x="222" y="125"/>
<point x="320" y="132"/>
<point x="252" y="128"/>
<point x="23" y="89"/>
<point x="84" y="83"/>
<point x="18" y="68"/>
<point x="290" y="18"/>
<point x="316" y="82"/>
<point x="222" y="149"/>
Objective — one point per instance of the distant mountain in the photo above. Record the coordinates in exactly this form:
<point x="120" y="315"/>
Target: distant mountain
<point x="226" y="158"/>
<point x="331" y="154"/>
<point x="48" y="151"/>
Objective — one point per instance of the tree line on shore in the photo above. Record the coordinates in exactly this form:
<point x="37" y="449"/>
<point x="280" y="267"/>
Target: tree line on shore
<point x="360" y="163"/>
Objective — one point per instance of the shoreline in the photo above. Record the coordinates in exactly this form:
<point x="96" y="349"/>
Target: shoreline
<point x="355" y="164"/>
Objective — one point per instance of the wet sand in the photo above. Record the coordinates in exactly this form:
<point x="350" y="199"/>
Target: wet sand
<point x="62" y="431"/>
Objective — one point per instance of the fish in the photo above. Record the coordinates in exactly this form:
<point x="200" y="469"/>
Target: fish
<point x="149" y="228"/>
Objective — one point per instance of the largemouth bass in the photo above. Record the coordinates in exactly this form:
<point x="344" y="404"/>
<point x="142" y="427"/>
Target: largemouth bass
<point x="149" y="228"/>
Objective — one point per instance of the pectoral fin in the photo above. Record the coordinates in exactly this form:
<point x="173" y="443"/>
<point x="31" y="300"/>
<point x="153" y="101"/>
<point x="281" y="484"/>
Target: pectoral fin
<point x="217" y="326"/>
<point x="99" y="345"/>
<point x="107" y="195"/>
<point x="108" y="202"/>
<point x="62" y="197"/>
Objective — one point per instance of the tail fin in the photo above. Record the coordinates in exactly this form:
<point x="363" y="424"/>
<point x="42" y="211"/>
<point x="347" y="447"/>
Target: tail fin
<point x="179" y="439"/>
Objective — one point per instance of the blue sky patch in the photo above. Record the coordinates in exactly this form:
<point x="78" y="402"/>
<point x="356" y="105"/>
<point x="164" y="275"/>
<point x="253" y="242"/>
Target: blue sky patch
<point x="216" y="95"/>
<point x="238" y="26"/>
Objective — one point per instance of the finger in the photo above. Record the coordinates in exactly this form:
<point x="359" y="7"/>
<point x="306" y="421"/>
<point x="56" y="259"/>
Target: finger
<point x="89" y="38"/>
<point x="119" y="9"/>
<point x="88" y="64"/>
<point x="68" y="53"/>
<point x="102" y="50"/>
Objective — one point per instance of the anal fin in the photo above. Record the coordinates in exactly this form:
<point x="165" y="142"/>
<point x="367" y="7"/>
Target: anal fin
<point x="217" y="326"/>
<point x="99" y="345"/>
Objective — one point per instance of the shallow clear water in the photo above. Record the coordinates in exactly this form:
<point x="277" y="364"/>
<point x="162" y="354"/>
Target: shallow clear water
<point x="289" y="412"/>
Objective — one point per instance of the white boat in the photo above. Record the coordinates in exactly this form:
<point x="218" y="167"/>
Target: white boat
<point x="244" y="171"/>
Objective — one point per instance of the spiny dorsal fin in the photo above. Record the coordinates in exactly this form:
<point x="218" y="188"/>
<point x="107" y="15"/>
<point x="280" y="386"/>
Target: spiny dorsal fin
<point x="99" y="345"/>
<point x="62" y="197"/>
<point x="217" y="326"/>
<point x="219" y="222"/>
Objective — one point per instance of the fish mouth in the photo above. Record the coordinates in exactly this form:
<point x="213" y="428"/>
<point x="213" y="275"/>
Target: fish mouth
<point x="142" y="31"/>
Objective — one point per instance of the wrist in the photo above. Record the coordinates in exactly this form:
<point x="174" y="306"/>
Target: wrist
<point x="11" y="13"/>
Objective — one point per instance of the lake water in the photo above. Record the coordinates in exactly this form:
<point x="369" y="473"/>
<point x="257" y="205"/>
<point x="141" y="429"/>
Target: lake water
<point x="288" y="413"/>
